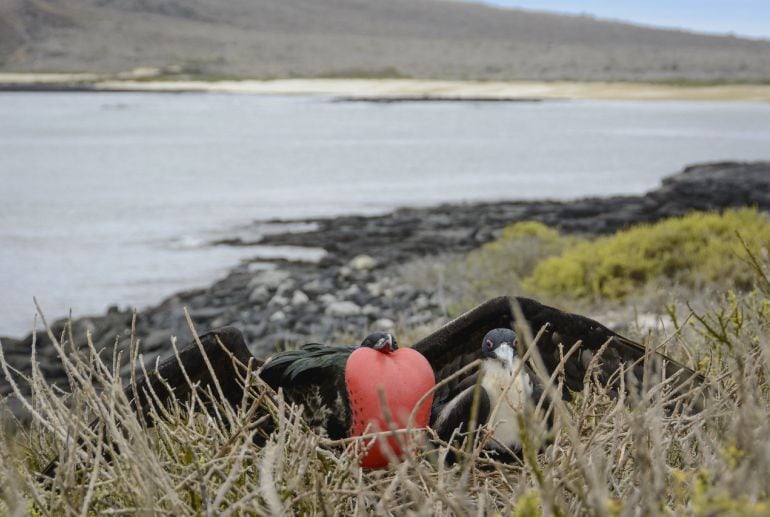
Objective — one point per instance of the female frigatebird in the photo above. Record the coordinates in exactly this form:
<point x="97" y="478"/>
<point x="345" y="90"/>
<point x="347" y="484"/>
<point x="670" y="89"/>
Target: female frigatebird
<point x="498" y="397"/>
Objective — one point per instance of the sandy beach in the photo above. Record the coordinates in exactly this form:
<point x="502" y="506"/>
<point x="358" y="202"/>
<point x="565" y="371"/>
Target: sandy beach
<point x="401" y="88"/>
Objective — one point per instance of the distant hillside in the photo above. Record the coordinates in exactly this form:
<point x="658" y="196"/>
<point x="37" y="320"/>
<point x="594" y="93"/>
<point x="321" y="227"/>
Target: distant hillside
<point x="358" y="38"/>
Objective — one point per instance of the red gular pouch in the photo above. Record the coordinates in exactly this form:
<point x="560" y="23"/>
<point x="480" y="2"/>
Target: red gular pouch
<point x="403" y="376"/>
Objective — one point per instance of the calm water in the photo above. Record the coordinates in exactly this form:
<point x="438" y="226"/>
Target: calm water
<point x="110" y="198"/>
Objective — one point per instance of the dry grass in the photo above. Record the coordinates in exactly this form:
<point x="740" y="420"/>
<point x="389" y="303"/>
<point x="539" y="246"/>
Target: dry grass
<point x="607" y="456"/>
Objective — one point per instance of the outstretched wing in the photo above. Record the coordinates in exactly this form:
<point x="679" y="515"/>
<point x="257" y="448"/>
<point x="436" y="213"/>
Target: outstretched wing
<point x="458" y="413"/>
<point x="226" y="361"/>
<point x="311" y="363"/>
<point x="314" y="377"/>
<point x="457" y="343"/>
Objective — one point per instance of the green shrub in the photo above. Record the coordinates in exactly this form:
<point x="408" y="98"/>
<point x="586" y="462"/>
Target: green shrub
<point x="692" y="251"/>
<point x="518" y="250"/>
<point x="500" y="266"/>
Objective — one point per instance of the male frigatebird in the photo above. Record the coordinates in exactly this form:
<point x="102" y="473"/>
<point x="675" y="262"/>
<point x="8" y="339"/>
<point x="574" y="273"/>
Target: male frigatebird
<point x="347" y="390"/>
<point x="313" y="376"/>
<point x="447" y="350"/>
<point x="342" y="390"/>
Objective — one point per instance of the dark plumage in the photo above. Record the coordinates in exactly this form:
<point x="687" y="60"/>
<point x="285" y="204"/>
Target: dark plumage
<point x="503" y="382"/>
<point x="308" y="364"/>
<point x="313" y="376"/>
<point x="229" y="358"/>
<point x="456" y="344"/>
<point x="314" y="362"/>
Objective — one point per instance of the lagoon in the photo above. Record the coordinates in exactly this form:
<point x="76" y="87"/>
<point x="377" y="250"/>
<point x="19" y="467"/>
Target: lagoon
<point x="113" y="198"/>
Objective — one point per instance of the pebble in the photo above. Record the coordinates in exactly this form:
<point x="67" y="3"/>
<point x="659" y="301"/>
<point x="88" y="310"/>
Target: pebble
<point x="384" y="324"/>
<point x="327" y="299"/>
<point x="314" y="286"/>
<point x="422" y="302"/>
<point x="255" y="331"/>
<point x="299" y="298"/>
<point x="343" y="308"/>
<point x="254" y="267"/>
<point x="351" y="291"/>
<point x="271" y="278"/>
<point x="420" y="319"/>
<point x="362" y="263"/>
<point x="260" y="295"/>
<point x="278" y="300"/>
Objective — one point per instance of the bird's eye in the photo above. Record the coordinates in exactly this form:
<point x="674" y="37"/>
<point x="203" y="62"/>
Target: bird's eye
<point x="488" y="344"/>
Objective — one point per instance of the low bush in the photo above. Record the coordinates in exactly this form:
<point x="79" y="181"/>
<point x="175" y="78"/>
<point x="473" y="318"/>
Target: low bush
<point x="694" y="250"/>
<point x="500" y="267"/>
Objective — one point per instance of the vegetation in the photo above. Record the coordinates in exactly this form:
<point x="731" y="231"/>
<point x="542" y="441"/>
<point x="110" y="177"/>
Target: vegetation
<point x="694" y="250"/>
<point x="498" y="267"/>
<point x="697" y="250"/>
<point x="609" y="456"/>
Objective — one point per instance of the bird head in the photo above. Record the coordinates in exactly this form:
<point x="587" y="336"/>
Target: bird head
<point x="380" y="341"/>
<point x="500" y="345"/>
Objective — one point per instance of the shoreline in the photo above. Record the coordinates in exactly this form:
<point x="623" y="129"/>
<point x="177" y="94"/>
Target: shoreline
<point x="392" y="90"/>
<point x="359" y="283"/>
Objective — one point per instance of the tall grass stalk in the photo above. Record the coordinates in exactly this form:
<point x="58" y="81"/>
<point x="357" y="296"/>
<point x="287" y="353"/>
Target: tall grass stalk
<point x="606" y="455"/>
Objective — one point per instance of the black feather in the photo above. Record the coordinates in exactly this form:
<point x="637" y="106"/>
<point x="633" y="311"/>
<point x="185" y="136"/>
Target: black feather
<point x="311" y="363"/>
<point x="457" y="415"/>
<point x="313" y="377"/>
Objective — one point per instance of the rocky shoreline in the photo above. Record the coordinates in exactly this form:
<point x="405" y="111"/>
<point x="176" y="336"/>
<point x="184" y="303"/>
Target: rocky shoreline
<point x="357" y="285"/>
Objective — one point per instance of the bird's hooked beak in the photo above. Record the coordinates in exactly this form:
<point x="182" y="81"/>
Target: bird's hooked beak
<point x="386" y="344"/>
<point x="505" y="353"/>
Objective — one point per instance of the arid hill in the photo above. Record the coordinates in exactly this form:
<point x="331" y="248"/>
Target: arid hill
<point x="359" y="38"/>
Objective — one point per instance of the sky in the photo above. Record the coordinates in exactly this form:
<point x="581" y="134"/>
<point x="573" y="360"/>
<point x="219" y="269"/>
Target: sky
<point x="741" y="17"/>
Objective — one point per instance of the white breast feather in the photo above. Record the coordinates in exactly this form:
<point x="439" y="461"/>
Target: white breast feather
<point x="496" y="379"/>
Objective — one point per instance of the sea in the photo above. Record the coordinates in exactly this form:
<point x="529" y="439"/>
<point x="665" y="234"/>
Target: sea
<point x="116" y="198"/>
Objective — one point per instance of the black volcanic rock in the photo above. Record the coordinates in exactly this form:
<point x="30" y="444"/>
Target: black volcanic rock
<point x="700" y="187"/>
<point x="411" y="232"/>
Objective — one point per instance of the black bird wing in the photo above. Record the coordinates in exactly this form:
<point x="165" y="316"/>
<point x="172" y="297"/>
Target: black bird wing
<point x="313" y="376"/>
<point x="313" y="368"/>
<point x="457" y="343"/>
<point x="310" y="364"/>
<point x="458" y="412"/>
<point x="226" y="363"/>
